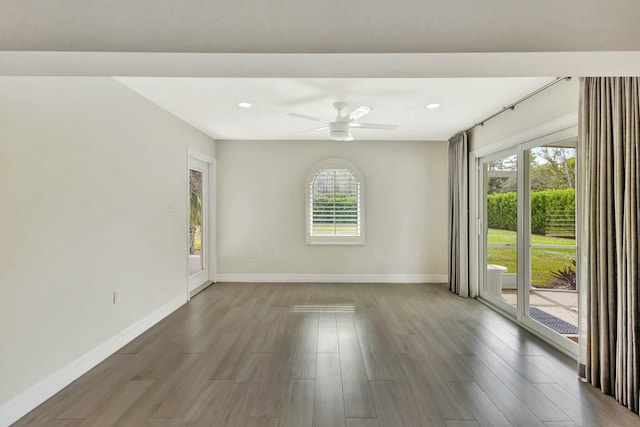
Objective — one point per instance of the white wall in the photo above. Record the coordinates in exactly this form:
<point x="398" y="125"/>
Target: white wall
<point x="555" y="102"/>
<point x="88" y="170"/>
<point x="261" y="207"/>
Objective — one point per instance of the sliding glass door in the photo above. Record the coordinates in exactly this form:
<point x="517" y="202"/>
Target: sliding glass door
<point x="527" y="225"/>
<point x="499" y="226"/>
<point x="551" y="238"/>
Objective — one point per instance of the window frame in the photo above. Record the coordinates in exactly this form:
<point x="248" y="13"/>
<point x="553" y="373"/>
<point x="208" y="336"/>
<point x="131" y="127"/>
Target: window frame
<point x="334" y="240"/>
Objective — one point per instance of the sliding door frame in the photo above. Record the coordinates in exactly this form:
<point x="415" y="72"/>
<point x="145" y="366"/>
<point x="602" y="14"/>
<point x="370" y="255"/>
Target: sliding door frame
<point x="557" y="340"/>
<point x="483" y="228"/>
<point x="564" y="127"/>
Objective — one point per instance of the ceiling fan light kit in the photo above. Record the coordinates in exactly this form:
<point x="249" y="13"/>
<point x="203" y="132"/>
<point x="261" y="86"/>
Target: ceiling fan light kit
<point x="339" y="129"/>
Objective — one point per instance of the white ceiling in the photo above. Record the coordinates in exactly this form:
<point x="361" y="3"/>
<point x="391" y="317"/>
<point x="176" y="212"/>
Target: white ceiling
<point x="210" y="104"/>
<point x="393" y="56"/>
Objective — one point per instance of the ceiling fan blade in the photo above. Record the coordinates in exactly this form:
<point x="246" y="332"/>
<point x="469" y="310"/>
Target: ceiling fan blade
<point x="372" y="126"/>
<point x="302" y="116"/>
<point x="359" y="112"/>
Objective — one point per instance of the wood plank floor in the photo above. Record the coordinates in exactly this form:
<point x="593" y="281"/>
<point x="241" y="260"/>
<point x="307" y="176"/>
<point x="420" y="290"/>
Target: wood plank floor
<point x="336" y="355"/>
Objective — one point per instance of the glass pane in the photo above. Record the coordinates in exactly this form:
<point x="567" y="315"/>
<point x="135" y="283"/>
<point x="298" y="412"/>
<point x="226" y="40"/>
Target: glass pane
<point x="553" y="296"/>
<point x="335" y="204"/>
<point x="501" y="228"/>
<point x="196" y="260"/>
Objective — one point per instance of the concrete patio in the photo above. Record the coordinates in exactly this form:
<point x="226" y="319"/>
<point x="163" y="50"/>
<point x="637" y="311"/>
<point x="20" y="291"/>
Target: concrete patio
<point x="562" y="304"/>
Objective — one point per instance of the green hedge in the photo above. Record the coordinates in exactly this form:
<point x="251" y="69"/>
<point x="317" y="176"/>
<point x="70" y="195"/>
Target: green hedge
<point x="552" y="212"/>
<point x="341" y="204"/>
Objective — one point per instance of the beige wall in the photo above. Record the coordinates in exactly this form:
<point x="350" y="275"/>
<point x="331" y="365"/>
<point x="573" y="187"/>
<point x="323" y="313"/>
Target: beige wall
<point x="88" y="170"/>
<point x="261" y="207"/>
<point x="292" y="26"/>
<point x="557" y="101"/>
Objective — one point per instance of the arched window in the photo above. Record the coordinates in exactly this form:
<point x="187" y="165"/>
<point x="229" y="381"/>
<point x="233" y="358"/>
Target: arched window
<point x="335" y="204"/>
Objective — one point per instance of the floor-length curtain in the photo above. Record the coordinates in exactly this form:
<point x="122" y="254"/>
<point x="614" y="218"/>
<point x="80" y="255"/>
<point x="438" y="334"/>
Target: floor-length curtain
<point x="610" y="138"/>
<point x="459" y="215"/>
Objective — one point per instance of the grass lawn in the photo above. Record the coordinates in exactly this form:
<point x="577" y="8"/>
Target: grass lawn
<point x="544" y="261"/>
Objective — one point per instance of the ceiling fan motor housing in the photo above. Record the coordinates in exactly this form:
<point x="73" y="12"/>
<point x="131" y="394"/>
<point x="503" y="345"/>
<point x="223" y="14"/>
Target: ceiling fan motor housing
<point x="340" y="131"/>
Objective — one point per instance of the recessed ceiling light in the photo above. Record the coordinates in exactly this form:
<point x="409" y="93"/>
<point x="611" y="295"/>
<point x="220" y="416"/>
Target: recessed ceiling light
<point x="432" y="106"/>
<point x="244" y="104"/>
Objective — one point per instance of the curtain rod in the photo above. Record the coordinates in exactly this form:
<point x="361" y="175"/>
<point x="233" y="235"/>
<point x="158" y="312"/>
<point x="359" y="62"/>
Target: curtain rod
<point x="513" y="106"/>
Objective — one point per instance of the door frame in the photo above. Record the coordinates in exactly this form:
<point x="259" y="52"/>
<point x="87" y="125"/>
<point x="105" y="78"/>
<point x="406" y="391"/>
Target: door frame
<point x="210" y="219"/>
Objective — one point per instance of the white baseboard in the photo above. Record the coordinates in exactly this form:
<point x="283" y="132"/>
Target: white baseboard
<point x="16" y="408"/>
<point x="333" y="278"/>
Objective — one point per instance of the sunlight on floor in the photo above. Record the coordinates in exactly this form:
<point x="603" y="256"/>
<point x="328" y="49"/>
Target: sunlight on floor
<point x="337" y="308"/>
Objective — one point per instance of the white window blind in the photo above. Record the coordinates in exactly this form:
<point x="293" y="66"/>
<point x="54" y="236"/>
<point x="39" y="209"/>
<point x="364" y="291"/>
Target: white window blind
<point x="334" y="204"/>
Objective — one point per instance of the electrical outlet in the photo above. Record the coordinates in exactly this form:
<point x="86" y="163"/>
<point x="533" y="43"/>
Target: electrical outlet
<point x="116" y="296"/>
<point x="253" y="253"/>
<point x="173" y="209"/>
<point x="276" y="253"/>
<point x="418" y="253"/>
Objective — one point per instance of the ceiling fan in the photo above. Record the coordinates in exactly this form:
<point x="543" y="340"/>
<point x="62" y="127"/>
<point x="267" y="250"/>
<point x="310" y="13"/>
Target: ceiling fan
<point x="339" y="128"/>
